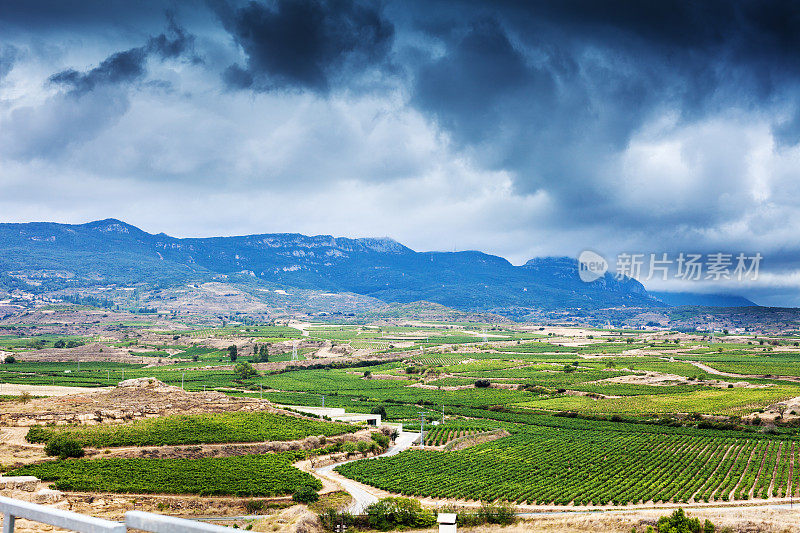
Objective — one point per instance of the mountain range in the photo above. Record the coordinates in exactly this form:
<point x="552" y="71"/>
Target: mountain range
<point x="44" y="256"/>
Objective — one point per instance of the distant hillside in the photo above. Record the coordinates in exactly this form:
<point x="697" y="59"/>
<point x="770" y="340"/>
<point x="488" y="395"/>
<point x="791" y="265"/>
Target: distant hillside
<point x="43" y="257"/>
<point x="708" y="300"/>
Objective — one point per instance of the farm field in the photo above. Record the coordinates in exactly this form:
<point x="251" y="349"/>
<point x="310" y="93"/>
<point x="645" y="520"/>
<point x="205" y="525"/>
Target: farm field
<point x="248" y="475"/>
<point x="562" y="466"/>
<point x="197" y="429"/>
<point x="594" y="417"/>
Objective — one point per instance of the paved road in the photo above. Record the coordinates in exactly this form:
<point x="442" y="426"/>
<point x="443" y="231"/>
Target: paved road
<point x="361" y="498"/>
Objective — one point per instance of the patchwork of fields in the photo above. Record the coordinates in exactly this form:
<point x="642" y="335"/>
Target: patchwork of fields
<point x="598" y="418"/>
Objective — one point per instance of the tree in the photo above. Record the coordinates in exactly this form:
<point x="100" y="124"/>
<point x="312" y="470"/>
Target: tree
<point x="63" y="446"/>
<point x="482" y="383"/>
<point x="10" y="359"/>
<point x="233" y="352"/>
<point x="678" y="522"/>
<point x="261" y="354"/>
<point x="380" y="410"/>
<point x="367" y="374"/>
<point x="245" y="370"/>
<point x="61" y="343"/>
<point x="305" y="495"/>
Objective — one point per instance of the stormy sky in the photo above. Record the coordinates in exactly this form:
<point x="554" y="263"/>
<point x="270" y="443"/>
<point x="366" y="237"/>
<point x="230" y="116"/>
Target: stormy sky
<point x="521" y="129"/>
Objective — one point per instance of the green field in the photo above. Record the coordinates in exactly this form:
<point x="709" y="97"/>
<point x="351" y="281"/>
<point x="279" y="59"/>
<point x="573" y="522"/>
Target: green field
<point x="563" y="466"/>
<point x="197" y="429"/>
<point x="248" y="475"/>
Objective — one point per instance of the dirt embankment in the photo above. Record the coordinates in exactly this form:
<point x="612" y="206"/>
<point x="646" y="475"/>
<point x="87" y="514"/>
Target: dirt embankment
<point x="130" y="400"/>
<point x="230" y="449"/>
<point x="92" y="352"/>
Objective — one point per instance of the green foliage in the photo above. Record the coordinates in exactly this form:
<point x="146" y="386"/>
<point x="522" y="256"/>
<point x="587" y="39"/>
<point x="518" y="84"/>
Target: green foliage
<point x="305" y="495"/>
<point x="564" y="466"/>
<point x="247" y="475"/>
<point x="194" y="429"/>
<point x="63" y="446"/>
<point x="390" y="513"/>
<point x="245" y="370"/>
<point x="678" y="522"/>
<point x="10" y="359"/>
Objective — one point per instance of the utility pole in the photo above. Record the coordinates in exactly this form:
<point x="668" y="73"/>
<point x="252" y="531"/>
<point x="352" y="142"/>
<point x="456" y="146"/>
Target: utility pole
<point x="323" y="400"/>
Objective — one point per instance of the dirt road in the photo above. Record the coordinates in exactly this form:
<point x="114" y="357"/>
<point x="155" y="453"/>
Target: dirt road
<point x="362" y="497"/>
<point x="14" y="389"/>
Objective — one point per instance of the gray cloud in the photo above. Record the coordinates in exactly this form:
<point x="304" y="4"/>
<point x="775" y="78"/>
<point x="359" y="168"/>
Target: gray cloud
<point x="129" y="65"/>
<point x="516" y="128"/>
<point x="305" y="44"/>
<point x="8" y="56"/>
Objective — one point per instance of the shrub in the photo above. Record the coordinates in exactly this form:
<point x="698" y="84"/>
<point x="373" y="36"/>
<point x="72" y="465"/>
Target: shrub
<point x="678" y="522"/>
<point x="389" y="513"/>
<point x="305" y="495"/>
<point x="381" y="440"/>
<point x="253" y="506"/>
<point x="63" y="446"/>
<point x="245" y="370"/>
<point x="380" y="410"/>
<point x="496" y="514"/>
<point x="482" y="383"/>
<point x="10" y="359"/>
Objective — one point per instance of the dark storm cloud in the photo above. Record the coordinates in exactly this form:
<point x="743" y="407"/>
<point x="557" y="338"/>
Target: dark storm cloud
<point x="45" y="16"/>
<point x="305" y="44"/>
<point x="91" y="101"/>
<point x="8" y="56"/>
<point x="121" y="67"/>
<point x="129" y="65"/>
<point x="553" y="92"/>
<point x="176" y="42"/>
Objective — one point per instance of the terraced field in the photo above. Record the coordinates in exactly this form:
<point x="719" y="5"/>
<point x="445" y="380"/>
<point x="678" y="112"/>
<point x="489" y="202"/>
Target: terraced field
<point x="562" y="466"/>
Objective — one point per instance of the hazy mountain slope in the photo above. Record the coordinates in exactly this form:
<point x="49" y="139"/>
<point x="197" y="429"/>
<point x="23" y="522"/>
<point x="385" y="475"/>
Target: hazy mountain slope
<point x="110" y="251"/>
<point x="708" y="300"/>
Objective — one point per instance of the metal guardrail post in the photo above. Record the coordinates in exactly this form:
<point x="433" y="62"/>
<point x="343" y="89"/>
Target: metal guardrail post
<point x="156" y="523"/>
<point x="12" y="509"/>
<point x="8" y="523"/>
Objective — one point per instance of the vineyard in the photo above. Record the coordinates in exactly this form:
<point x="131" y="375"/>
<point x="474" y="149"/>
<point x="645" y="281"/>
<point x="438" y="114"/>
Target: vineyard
<point x="441" y="435"/>
<point x="561" y="466"/>
<point x="247" y="475"/>
<point x="196" y="429"/>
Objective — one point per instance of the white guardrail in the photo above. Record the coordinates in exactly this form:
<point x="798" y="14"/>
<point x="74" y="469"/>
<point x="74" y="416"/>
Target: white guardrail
<point x="12" y="509"/>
